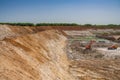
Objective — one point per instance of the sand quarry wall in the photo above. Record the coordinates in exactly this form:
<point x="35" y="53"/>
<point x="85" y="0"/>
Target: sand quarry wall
<point x="37" y="56"/>
<point x="13" y="31"/>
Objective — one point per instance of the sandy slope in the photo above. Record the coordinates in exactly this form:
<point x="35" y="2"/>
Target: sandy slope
<point x="39" y="56"/>
<point x="28" y="54"/>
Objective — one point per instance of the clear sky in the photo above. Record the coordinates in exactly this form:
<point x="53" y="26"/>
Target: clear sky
<point x="61" y="11"/>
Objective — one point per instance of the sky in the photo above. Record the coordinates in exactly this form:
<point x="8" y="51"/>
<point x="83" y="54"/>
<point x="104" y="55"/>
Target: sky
<point x="61" y="11"/>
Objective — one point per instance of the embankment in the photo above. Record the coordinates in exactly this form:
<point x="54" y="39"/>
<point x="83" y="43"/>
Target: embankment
<point x="38" y="56"/>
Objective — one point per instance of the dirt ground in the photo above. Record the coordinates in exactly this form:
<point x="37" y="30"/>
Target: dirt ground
<point x="96" y="69"/>
<point x="96" y="64"/>
<point x="37" y="53"/>
<point x="110" y="54"/>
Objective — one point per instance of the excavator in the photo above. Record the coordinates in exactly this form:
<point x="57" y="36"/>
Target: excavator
<point x="88" y="47"/>
<point x="113" y="47"/>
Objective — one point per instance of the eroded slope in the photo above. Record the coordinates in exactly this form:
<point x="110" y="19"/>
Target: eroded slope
<point x="39" y="56"/>
<point x="28" y="54"/>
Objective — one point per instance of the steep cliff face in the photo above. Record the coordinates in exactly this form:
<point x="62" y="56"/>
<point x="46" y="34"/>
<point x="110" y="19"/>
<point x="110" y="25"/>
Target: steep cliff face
<point x="38" y="56"/>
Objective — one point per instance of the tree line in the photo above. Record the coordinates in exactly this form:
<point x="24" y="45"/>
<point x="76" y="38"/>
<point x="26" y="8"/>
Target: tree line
<point x="41" y="24"/>
<point x="59" y="24"/>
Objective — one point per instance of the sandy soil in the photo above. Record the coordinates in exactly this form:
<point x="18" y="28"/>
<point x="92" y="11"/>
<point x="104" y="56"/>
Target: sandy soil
<point x="114" y="54"/>
<point x="37" y="53"/>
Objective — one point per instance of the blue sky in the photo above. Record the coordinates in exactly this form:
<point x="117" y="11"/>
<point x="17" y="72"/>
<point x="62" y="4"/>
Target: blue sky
<point x="61" y="11"/>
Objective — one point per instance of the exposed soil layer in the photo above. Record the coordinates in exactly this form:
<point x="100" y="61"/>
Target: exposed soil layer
<point x="96" y="69"/>
<point x="38" y="56"/>
<point x="52" y="53"/>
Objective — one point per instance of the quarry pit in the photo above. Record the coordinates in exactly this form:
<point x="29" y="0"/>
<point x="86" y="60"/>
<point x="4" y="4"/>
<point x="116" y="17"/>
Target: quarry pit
<point x="35" y="53"/>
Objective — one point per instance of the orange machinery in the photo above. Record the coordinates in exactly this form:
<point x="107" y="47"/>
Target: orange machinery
<point x="89" y="46"/>
<point x="113" y="47"/>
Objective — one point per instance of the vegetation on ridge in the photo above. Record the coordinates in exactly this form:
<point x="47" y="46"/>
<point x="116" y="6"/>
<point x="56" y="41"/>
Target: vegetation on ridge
<point x="62" y="24"/>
